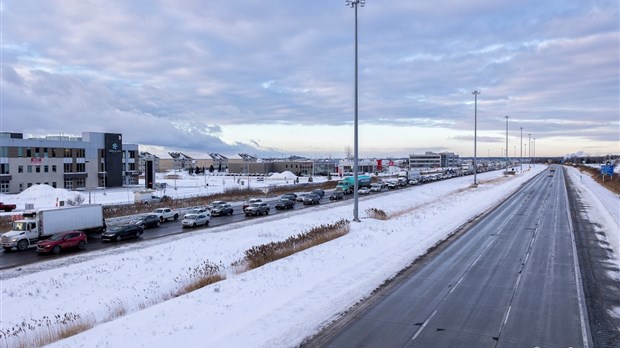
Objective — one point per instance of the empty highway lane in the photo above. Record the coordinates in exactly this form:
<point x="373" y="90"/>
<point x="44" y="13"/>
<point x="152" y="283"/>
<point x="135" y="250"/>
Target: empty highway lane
<point x="512" y="280"/>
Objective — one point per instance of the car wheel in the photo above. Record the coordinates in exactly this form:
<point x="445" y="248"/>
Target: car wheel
<point x="56" y="249"/>
<point x="158" y="224"/>
<point x="137" y="234"/>
<point x="231" y="212"/>
<point x="207" y="223"/>
<point x="194" y="225"/>
<point x="22" y="245"/>
<point x="267" y="212"/>
<point x="118" y="238"/>
<point x="161" y="219"/>
<point x="82" y="245"/>
<point x="176" y="217"/>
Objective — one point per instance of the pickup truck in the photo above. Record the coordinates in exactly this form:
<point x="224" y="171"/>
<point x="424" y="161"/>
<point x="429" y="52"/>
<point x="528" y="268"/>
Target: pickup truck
<point x="166" y="214"/>
<point x="7" y="207"/>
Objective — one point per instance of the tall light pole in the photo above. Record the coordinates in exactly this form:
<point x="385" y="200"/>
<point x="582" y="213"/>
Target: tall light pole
<point x="534" y="150"/>
<point x="507" y="117"/>
<point x="529" y="146"/>
<point x="475" y="93"/>
<point x="521" y="156"/>
<point x="354" y="4"/>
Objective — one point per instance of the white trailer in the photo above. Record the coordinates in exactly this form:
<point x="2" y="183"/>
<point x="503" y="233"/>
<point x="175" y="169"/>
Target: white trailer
<point x="43" y="223"/>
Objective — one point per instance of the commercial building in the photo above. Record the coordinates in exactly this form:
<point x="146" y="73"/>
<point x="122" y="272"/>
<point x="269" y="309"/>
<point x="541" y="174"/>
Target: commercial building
<point x="90" y="161"/>
<point x="433" y="160"/>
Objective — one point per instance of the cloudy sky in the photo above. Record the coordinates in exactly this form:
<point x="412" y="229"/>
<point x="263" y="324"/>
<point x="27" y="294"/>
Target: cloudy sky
<point x="275" y="77"/>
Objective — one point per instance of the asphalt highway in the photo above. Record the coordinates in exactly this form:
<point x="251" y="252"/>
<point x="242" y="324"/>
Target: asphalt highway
<point x="512" y="280"/>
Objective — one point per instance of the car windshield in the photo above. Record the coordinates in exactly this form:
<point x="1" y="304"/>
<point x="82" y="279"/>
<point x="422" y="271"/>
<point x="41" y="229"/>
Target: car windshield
<point x="20" y="226"/>
<point x="220" y="206"/>
<point x="190" y="216"/>
<point x="158" y="211"/>
<point x="115" y="228"/>
<point x="254" y="205"/>
<point x="57" y="236"/>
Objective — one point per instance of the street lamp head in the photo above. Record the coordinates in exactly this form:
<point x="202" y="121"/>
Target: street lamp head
<point x="475" y="92"/>
<point x="353" y="3"/>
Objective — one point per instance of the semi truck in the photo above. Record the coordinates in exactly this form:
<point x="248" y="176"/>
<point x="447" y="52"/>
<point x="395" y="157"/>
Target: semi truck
<point x="347" y="184"/>
<point x="409" y="175"/>
<point x="43" y="223"/>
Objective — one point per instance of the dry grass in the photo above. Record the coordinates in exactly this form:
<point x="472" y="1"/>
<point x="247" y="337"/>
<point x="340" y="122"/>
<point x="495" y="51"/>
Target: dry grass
<point x="38" y="333"/>
<point x="612" y="184"/>
<point x="375" y="213"/>
<point x="262" y="254"/>
<point x="200" y="276"/>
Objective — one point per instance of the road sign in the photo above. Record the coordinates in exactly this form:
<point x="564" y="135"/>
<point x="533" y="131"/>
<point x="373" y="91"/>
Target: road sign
<point x="607" y="170"/>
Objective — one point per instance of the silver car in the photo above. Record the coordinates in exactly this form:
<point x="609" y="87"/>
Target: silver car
<point x="194" y="220"/>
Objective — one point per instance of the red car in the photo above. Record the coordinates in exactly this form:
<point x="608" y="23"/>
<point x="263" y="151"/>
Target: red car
<point x="63" y="240"/>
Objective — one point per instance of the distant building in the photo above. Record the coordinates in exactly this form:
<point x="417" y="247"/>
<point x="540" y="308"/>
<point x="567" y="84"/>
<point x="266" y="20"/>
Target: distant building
<point x="142" y="156"/>
<point x="90" y="161"/>
<point x="433" y="160"/>
<point x="181" y="161"/>
<point x="220" y="162"/>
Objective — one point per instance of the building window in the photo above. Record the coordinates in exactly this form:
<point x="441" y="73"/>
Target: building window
<point x="53" y="152"/>
<point x="29" y="185"/>
<point x="28" y="153"/>
<point x="36" y="152"/>
<point x="4" y="168"/>
<point x="4" y="151"/>
<point x="69" y="184"/>
<point x="45" y="154"/>
<point x="80" y="167"/>
<point x="67" y="153"/>
<point x="29" y="169"/>
<point x="20" y="169"/>
<point x="80" y="182"/>
<point x="20" y="152"/>
<point x="68" y="167"/>
<point x="46" y="169"/>
<point x="37" y="169"/>
<point x="4" y="186"/>
<point x="53" y="168"/>
<point x="54" y="184"/>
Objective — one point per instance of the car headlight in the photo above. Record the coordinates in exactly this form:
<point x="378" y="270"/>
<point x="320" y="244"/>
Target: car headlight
<point x="14" y="239"/>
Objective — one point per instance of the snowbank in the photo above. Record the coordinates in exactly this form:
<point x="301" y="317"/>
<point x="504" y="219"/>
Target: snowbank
<point x="283" y="175"/>
<point x="41" y="196"/>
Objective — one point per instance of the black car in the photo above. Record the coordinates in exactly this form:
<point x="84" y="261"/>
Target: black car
<point x="116" y="233"/>
<point x="312" y="198"/>
<point x="319" y="192"/>
<point x="222" y="209"/>
<point x="336" y="195"/>
<point x="146" y="221"/>
<point x="284" y="203"/>
<point x="291" y="196"/>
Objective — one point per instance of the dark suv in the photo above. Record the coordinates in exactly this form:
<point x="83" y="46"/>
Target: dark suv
<point x="257" y="209"/>
<point x="222" y="209"/>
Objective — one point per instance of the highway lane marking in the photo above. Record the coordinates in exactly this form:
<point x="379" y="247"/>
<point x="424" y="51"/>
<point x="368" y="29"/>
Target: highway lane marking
<point x="585" y="336"/>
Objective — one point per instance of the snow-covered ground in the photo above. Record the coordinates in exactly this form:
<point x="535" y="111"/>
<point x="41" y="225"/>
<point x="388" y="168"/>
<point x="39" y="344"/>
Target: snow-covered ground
<point x="276" y="305"/>
<point x="45" y="196"/>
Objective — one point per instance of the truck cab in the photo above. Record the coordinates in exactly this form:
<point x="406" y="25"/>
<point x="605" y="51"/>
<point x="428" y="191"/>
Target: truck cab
<point x="20" y="235"/>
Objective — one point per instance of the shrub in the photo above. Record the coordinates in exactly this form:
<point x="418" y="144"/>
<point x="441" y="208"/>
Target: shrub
<point x="375" y="213"/>
<point x="202" y="275"/>
<point x="265" y="253"/>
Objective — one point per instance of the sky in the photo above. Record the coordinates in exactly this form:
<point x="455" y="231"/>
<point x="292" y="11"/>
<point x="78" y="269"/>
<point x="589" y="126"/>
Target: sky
<point x="304" y="291"/>
<point x="276" y="78"/>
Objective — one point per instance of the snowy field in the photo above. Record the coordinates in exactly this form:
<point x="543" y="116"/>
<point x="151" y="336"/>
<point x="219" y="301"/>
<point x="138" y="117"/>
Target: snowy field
<point x="276" y="305"/>
<point x="44" y="196"/>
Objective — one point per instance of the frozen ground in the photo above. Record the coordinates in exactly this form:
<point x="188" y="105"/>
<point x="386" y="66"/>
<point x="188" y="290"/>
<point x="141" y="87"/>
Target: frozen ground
<point x="276" y="305"/>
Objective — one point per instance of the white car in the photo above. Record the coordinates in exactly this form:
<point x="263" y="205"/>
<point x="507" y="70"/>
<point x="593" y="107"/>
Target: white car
<point x="363" y="191"/>
<point x="376" y="188"/>
<point x="194" y="220"/>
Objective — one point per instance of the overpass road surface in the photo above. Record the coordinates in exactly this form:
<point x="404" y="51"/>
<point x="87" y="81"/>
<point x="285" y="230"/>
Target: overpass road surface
<point x="512" y="280"/>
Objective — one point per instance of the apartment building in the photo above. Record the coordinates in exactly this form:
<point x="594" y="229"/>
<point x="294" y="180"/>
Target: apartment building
<point x="90" y="161"/>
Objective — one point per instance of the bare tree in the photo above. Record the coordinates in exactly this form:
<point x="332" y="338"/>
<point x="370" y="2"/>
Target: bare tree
<point x="348" y="151"/>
